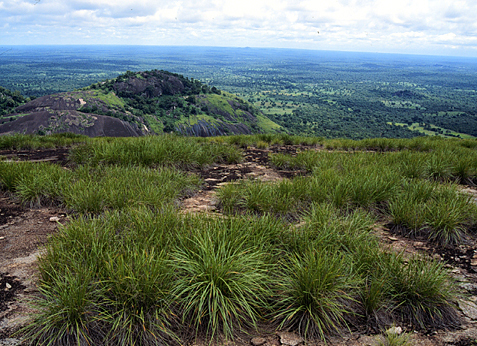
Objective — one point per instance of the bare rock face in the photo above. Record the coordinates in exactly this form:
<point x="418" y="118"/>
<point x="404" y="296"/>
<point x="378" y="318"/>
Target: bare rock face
<point x="53" y="102"/>
<point x="91" y="125"/>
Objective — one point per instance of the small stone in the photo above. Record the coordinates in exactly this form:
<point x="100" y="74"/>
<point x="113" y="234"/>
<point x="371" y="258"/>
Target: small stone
<point x="2" y="238"/>
<point x="394" y="330"/>
<point x="418" y="244"/>
<point x="258" y="341"/>
<point x="473" y="262"/>
<point x="290" y="339"/>
<point x="393" y="238"/>
<point x="469" y="309"/>
<point x="54" y="219"/>
<point x="8" y="286"/>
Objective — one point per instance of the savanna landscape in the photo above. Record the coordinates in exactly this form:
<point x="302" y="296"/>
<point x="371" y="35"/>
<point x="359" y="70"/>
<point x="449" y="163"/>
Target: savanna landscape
<point x="262" y="239"/>
<point x="250" y="197"/>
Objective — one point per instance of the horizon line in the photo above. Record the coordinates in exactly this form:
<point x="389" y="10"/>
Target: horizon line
<point x="239" y="47"/>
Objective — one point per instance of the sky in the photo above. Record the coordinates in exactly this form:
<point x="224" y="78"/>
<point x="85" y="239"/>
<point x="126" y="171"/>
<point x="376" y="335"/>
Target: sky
<point x="431" y="27"/>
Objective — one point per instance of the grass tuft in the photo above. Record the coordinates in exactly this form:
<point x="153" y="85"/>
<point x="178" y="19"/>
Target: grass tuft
<point x="424" y="294"/>
<point x="221" y="282"/>
<point x="316" y="293"/>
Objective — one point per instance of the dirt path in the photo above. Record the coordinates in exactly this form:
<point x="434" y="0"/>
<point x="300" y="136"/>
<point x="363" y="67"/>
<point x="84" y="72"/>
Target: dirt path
<point x="23" y="232"/>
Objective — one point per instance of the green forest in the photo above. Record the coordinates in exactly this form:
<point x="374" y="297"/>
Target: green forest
<point x="330" y="94"/>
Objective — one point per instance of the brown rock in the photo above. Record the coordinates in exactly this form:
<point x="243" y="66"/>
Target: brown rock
<point x="469" y="309"/>
<point x="258" y="341"/>
<point x="290" y="339"/>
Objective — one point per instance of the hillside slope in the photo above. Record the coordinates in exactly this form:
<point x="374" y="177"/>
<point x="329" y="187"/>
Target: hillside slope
<point x="139" y="103"/>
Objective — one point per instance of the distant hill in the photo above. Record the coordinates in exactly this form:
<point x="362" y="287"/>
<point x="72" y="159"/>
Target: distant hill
<point x="135" y="104"/>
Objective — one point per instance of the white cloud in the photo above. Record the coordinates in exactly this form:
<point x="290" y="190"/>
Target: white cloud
<point x="416" y="26"/>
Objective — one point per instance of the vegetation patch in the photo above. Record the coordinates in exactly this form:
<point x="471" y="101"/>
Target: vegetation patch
<point x="300" y="254"/>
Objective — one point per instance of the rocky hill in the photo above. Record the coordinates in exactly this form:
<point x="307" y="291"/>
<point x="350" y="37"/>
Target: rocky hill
<point x="139" y="103"/>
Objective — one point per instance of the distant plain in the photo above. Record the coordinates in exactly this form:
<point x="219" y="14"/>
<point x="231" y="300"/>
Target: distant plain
<point x="321" y="93"/>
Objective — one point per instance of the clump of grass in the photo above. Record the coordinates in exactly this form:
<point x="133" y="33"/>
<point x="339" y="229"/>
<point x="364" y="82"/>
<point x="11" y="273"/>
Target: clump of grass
<point x="448" y="218"/>
<point x="316" y="293"/>
<point x="11" y="173"/>
<point x="66" y="311"/>
<point x="229" y="198"/>
<point x="465" y="168"/>
<point x="261" y="198"/>
<point x="375" y="300"/>
<point x="378" y="144"/>
<point x="42" y="184"/>
<point x="166" y="150"/>
<point x="261" y="145"/>
<point x="406" y="208"/>
<point x="438" y="166"/>
<point x="94" y="189"/>
<point x="351" y="234"/>
<point x="137" y="295"/>
<point x="152" y="272"/>
<point x="19" y="141"/>
<point x="410" y="164"/>
<point x="423" y="293"/>
<point x="309" y="160"/>
<point x="35" y="183"/>
<point x="265" y="140"/>
<point x="438" y="211"/>
<point x="221" y="282"/>
<point x="107" y="281"/>
<point x="372" y="185"/>
<point x="354" y="181"/>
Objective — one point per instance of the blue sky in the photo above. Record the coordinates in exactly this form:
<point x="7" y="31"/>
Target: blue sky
<point x="433" y="27"/>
